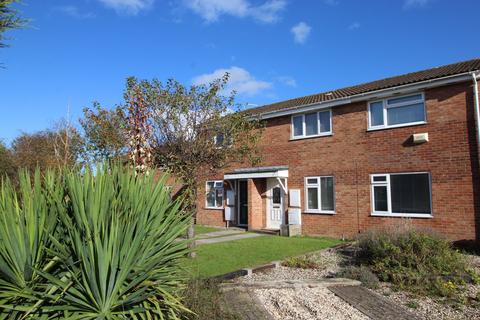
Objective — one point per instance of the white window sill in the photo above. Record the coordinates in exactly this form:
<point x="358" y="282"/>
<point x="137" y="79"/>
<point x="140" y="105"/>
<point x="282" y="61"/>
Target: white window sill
<point x="397" y="126"/>
<point x="320" y="212"/>
<point x="327" y="134"/>
<point x="402" y="215"/>
<point x="213" y="208"/>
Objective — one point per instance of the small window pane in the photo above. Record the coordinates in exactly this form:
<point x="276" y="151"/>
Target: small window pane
<point x="210" y="185"/>
<point x="298" y="126"/>
<point x="312" y="181"/>
<point x="405" y="99"/>
<point x="325" y="121"/>
<point x="327" y="193"/>
<point x="406" y="114"/>
<point x="276" y="196"/>
<point x="311" y="124"/>
<point x="410" y="193"/>
<point x="219" y="138"/>
<point x="380" y="198"/>
<point x="312" y="196"/>
<point x="219" y="198"/>
<point x="376" y="114"/>
<point x="211" y="199"/>
<point x="380" y="178"/>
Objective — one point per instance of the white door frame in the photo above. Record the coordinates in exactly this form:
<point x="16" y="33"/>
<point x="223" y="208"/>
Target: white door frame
<point x="270" y="207"/>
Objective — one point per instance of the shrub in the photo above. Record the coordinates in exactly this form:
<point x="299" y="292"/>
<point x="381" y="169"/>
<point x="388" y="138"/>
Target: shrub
<point x="416" y="260"/>
<point x="300" y="262"/>
<point x="362" y="274"/>
<point x="91" y="246"/>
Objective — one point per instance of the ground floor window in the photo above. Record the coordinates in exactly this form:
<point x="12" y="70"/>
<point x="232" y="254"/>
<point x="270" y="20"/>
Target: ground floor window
<point x="214" y="194"/>
<point x="320" y="194"/>
<point x="401" y="194"/>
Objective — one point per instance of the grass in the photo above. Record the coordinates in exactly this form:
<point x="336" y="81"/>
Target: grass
<point x="219" y="258"/>
<point x="199" y="229"/>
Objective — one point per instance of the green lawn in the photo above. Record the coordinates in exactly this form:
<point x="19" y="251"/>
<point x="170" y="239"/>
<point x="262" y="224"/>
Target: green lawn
<point x="220" y="258"/>
<point x="199" y="229"/>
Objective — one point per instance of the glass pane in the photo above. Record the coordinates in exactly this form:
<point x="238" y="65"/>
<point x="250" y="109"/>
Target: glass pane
<point x="219" y="139"/>
<point x="276" y="195"/>
<point x="406" y="114"/>
<point x="326" y="190"/>
<point x="219" y="184"/>
<point x="311" y="124"/>
<point x="312" y="180"/>
<point x="210" y="185"/>
<point x="376" y="114"/>
<point x="405" y="99"/>
<point x="211" y="199"/>
<point x="380" y="178"/>
<point x="380" y="198"/>
<point x="324" y="121"/>
<point x="410" y="193"/>
<point x="219" y="198"/>
<point x="298" y="126"/>
<point x="312" y="197"/>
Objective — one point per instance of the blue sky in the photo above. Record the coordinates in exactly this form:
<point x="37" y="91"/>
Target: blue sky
<point x="78" y="51"/>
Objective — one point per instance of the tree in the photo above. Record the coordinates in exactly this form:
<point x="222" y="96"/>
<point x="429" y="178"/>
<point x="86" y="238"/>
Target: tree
<point x="9" y="19"/>
<point x="196" y="132"/>
<point x="7" y="164"/>
<point x="105" y="133"/>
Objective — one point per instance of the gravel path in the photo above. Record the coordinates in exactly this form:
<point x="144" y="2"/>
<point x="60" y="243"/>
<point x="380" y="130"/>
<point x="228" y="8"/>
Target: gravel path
<point x="306" y="304"/>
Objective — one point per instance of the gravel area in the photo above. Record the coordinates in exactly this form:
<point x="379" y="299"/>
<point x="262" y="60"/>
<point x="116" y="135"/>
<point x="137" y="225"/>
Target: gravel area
<point x="306" y="304"/>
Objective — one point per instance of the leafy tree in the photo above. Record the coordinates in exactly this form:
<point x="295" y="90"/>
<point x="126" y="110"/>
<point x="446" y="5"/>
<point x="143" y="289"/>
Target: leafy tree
<point x="197" y="133"/>
<point x="7" y="164"/>
<point x="9" y="19"/>
<point x="105" y="133"/>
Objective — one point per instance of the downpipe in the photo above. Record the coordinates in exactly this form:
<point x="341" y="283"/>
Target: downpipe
<point x="476" y="108"/>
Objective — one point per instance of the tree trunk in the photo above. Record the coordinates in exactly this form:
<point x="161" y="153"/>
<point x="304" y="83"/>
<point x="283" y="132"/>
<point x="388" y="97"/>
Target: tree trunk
<point x="191" y="245"/>
<point x="192" y="207"/>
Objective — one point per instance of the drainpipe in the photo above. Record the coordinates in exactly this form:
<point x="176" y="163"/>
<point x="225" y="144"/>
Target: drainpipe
<point x="476" y="107"/>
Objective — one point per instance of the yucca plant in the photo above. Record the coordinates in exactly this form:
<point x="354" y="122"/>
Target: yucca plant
<point x="102" y="245"/>
<point x="28" y="219"/>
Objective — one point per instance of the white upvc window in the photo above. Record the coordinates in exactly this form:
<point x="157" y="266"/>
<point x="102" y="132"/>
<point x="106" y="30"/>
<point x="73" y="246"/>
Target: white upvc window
<point x="312" y="124"/>
<point x="320" y="194"/>
<point x="401" y="194"/>
<point x="214" y="194"/>
<point x="397" y="112"/>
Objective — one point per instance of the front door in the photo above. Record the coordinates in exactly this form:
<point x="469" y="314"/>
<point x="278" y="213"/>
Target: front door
<point x="275" y="216"/>
<point x="242" y="202"/>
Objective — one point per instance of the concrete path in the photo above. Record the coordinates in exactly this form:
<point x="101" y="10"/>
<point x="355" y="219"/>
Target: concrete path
<point x="232" y="237"/>
<point x="220" y="233"/>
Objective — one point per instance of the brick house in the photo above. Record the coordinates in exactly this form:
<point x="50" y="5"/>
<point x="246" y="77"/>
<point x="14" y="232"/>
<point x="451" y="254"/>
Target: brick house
<point x="340" y="162"/>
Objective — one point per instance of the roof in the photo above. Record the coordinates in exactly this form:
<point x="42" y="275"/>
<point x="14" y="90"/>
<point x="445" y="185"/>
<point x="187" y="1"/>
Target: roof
<point x="409" y="78"/>
<point x="257" y="172"/>
<point x="259" y="169"/>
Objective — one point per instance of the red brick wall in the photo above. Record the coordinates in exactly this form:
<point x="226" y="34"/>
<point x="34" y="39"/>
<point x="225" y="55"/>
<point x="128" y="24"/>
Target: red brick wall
<point x="352" y="153"/>
<point x="256" y="203"/>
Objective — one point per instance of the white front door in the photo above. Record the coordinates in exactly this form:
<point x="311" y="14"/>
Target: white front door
<point x="276" y="211"/>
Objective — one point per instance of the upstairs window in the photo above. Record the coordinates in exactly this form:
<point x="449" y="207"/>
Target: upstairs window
<point x="397" y="112"/>
<point x="214" y="194"/>
<point x="312" y="124"/>
<point x="401" y="194"/>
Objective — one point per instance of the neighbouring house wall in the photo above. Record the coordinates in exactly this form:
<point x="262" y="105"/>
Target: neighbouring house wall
<point x="352" y="153"/>
<point x="256" y="203"/>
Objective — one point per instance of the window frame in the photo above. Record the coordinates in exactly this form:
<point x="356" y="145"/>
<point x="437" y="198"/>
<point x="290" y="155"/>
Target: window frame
<point x="387" y="106"/>
<point x="215" y="188"/>
<point x="319" y="195"/>
<point x="387" y="183"/>
<point x="304" y="126"/>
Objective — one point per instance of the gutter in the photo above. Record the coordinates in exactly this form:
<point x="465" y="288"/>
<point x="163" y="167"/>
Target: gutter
<point x="406" y="88"/>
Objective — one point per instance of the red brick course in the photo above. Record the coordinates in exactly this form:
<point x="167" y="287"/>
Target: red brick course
<point x="352" y="153"/>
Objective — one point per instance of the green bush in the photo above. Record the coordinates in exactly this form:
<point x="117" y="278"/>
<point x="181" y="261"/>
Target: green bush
<point x="90" y="246"/>
<point x="362" y="274"/>
<point x="300" y="262"/>
<point x="416" y="260"/>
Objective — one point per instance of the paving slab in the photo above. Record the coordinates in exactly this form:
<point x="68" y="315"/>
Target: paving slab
<point x="240" y="236"/>
<point x="372" y="304"/>
<point x="220" y="233"/>
<point x="246" y="305"/>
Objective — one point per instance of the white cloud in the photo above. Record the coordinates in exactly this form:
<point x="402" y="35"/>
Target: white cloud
<point x="212" y="10"/>
<point x="354" y="26"/>
<point x="301" y="31"/>
<point x="240" y="81"/>
<point x="288" y="81"/>
<point x="415" y="3"/>
<point x="74" y="12"/>
<point x="132" y="7"/>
